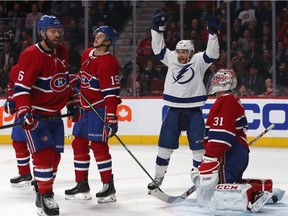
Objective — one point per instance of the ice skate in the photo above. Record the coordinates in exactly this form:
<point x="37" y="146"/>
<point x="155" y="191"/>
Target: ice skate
<point x="155" y="184"/>
<point x="48" y="206"/>
<point x="80" y="192"/>
<point x="107" y="194"/>
<point x="21" y="181"/>
<point x="277" y="196"/>
<point x="260" y="200"/>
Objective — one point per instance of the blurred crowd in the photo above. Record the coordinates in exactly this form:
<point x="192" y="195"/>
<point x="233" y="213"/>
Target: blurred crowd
<point x="250" y="35"/>
<point x="250" y="47"/>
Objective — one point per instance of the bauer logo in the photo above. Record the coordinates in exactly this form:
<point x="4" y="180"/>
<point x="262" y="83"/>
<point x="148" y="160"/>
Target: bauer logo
<point x="124" y="113"/>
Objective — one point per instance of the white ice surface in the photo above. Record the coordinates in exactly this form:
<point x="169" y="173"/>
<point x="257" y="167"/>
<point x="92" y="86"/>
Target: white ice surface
<point x="131" y="183"/>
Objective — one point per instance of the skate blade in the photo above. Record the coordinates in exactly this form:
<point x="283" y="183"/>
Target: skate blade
<point x="21" y="184"/>
<point x="108" y="199"/>
<point x="79" y="196"/>
<point x="40" y="212"/>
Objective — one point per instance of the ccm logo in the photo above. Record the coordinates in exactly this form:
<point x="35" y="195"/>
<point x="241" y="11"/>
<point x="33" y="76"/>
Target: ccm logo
<point x="227" y="187"/>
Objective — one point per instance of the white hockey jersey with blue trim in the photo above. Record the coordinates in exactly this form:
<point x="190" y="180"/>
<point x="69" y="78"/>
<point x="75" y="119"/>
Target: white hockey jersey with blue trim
<point x="184" y="85"/>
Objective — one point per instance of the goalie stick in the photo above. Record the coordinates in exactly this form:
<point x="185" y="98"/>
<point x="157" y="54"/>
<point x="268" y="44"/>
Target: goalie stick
<point x="261" y="134"/>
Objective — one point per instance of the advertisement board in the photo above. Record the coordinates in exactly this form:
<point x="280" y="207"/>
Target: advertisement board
<point x="140" y="120"/>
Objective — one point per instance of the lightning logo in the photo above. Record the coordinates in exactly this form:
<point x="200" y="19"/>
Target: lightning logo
<point x="183" y="76"/>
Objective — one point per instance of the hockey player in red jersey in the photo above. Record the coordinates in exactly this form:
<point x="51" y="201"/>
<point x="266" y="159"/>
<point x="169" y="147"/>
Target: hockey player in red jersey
<point x="99" y="77"/>
<point x="40" y="92"/>
<point x="18" y="140"/>
<point x="227" y="154"/>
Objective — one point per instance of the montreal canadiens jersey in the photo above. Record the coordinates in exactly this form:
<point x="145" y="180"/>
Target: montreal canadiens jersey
<point x="100" y="81"/>
<point x="184" y="85"/>
<point x="43" y="82"/>
<point x="225" y="125"/>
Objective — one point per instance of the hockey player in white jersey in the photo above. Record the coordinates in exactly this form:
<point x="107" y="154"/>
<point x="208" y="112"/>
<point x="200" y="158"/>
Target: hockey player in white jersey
<point x="184" y="93"/>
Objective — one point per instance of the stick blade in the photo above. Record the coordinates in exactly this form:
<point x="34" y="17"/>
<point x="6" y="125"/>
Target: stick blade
<point x="172" y="199"/>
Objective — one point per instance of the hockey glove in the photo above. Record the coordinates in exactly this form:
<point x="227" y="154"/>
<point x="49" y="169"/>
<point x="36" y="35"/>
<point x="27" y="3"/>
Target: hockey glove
<point x="208" y="172"/>
<point x="10" y="106"/>
<point x="213" y="25"/>
<point x="74" y="107"/>
<point x="25" y="116"/>
<point x="159" y="22"/>
<point x="111" y="126"/>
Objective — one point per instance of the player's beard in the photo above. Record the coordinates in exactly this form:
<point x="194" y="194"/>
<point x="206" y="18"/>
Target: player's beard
<point x="52" y="44"/>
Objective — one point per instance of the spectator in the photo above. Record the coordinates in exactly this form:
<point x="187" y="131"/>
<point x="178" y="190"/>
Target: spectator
<point x="266" y="63"/>
<point x="198" y="44"/>
<point x="266" y="38"/>
<point x="240" y="66"/>
<point x="247" y="14"/>
<point x="73" y="33"/>
<point x="254" y="29"/>
<point x="265" y="13"/>
<point x="33" y="17"/>
<point x="243" y="42"/>
<point x="74" y="57"/>
<point x="16" y="13"/>
<point x="270" y="91"/>
<point x="5" y="36"/>
<point x="280" y="50"/>
<point x="7" y="53"/>
<point x="165" y="10"/>
<point x="195" y="25"/>
<point x="282" y="76"/>
<point x="237" y="30"/>
<point x="242" y="91"/>
<point x="144" y="47"/>
<point x="4" y="79"/>
<point x="170" y="40"/>
<point x="254" y="81"/>
<point x="234" y="49"/>
<point x="254" y="53"/>
<point x="282" y="35"/>
<point x="17" y="31"/>
<point x="147" y="74"/>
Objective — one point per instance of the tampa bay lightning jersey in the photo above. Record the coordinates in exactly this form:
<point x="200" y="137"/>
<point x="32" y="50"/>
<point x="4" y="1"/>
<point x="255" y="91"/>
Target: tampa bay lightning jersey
<point x="184" y="85"/>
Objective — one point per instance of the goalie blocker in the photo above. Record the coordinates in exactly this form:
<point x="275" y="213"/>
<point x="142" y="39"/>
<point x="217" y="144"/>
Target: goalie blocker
<point x="250" y="196"/>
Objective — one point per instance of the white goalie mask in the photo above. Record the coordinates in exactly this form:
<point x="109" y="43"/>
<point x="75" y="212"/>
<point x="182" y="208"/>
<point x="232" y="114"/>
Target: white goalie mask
<point x="222" y="80"/>
<point x="185" y="44"/>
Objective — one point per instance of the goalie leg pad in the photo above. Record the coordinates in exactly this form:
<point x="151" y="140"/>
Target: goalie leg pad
<point x="230" y="197"/>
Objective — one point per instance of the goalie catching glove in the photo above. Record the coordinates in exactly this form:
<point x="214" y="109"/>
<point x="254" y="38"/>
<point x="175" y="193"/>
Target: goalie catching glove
<point x="111" y="125"/>
<point x="159" y="22"/>
<point x="25" y="115"/>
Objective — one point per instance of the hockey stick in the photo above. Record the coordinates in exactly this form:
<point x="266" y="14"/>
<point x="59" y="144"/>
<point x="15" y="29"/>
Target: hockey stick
<point x="117" y="137"/>
<point x="173" y="199"/>
<point x="41" y="119"/>
<point x="261" y="134"/>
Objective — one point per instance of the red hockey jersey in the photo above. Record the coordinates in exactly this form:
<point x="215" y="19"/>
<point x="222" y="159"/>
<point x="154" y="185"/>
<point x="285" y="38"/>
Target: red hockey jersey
<point x="225" y="125"/>
<point x="42" y="82"/>
<point x="100" y="80"/>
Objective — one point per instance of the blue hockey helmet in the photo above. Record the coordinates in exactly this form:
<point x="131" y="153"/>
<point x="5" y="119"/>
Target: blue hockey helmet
<point x="111" y="33"/>
<point x="48" y="21"/>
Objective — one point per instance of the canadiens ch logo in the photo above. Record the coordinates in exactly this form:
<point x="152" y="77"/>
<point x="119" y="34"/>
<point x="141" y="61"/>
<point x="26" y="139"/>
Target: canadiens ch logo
<point x="58" y="82"/>
<point x="184" y="75"/>
<point x="85" y="79"/>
